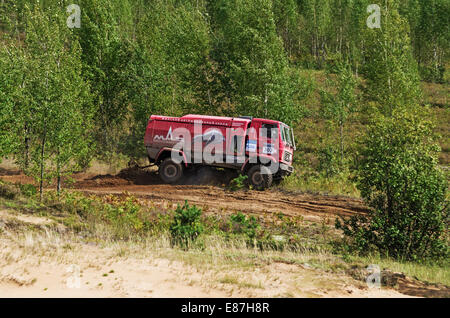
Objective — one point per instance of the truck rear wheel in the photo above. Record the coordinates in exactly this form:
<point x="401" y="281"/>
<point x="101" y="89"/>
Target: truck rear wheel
<point x="170" y="171"/>
<point x="260" y="177"/>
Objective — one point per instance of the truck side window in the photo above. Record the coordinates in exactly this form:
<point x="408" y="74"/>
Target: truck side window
<point x="266" y="131"/>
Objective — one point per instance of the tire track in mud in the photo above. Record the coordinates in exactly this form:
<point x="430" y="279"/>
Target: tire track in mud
<point x="216" y="197"/>
<point x="220" y="200"/>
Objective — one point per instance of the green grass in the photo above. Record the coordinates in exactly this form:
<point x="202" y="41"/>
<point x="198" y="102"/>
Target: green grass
<point x="339" y="184"/>
<point x="432" y="273"/>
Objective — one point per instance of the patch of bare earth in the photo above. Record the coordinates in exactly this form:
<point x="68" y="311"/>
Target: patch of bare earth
<point x="49" y="264"/>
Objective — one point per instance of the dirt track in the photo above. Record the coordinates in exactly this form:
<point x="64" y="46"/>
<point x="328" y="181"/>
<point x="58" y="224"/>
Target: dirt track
<point x="208" y="189"/>
<point x="216" y="198"/>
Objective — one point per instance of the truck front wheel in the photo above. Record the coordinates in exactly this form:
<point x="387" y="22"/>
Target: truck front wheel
<point x="170" y="171"/>
<point x="260" y="177"/>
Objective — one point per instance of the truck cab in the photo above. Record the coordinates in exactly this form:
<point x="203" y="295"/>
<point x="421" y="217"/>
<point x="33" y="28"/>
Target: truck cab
<point x="276" y="143"/>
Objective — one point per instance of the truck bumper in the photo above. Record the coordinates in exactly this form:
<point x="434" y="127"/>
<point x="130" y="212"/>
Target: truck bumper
<point x="286" y="169"/>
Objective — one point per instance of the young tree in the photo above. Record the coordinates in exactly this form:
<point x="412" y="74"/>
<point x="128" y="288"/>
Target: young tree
<point x="287" y="22"/>
<point x="390" y="70"/>
<point x="253" y="65"/>
<point x="340" y="105"/>
<point x="399" y="178"/>
<point x="168" y="70"/>
<point x="106" y="55"/>
<point x="48" y="109"/>
<point x="9" y="84"/>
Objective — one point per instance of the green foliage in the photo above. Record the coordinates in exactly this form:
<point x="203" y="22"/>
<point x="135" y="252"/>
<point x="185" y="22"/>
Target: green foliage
<point x="47" y="111"/>
<point x="253" y="65"/>
<point x="340" y="106"/>
<point x="186" y="225"/>
<point x="122" y="217"/>
<point x="329" y="161"/>
<point x="398" y="176"/>
<point x="246" y="225"/>
<point x="391" y="74"/>
<point x="106" y="64"/>
<point x="28" y="190"/>
<point x="238" y="183"/>
<point x="430" y="31"/>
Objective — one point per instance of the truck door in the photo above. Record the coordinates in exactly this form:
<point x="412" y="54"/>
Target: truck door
<point x="235" y="147"/>
<point x="268" y="139"/>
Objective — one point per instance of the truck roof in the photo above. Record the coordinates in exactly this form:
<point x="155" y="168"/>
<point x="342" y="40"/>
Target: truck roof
<point x="211" y="120"/>
<point x="214" y="120"/>
<point x="193" y="116"/>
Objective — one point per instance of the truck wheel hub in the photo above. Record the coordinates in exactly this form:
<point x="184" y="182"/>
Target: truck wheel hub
<point x="257" y="178"/>
<point x="170" y="171"/>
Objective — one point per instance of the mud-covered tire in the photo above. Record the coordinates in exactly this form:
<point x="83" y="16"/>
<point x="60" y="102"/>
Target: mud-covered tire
<point x="170" y="171"/>
<point x="259" y="177"/>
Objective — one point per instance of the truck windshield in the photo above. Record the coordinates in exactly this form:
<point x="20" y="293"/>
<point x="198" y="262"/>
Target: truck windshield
<point x="286" y="135"/>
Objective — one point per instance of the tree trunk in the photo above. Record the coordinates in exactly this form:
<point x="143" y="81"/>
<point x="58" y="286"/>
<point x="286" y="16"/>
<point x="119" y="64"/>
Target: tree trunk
<point x="341" y="137"/>
<point x="27" y="149"/>
<point x="41" y="181"/>
<point x="58" y="174"/>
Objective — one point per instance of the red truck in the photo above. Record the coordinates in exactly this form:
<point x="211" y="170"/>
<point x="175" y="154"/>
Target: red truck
<point x="260" y="148"/>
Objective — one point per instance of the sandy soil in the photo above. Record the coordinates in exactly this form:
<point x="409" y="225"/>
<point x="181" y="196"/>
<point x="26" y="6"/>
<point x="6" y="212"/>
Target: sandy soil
<point x="48" y="265"/>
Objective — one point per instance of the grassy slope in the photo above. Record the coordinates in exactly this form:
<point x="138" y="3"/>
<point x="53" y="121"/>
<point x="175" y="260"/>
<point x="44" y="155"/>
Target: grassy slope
<point x="314" y="134"/>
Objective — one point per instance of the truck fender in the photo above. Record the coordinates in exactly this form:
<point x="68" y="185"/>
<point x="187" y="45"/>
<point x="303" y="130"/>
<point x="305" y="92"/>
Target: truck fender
<point x="166" y="149"/>
<point x="247" y="164"/>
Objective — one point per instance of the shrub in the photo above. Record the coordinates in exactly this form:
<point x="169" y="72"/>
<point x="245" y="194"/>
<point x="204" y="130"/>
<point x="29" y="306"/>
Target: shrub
<point x="186" y="225"/>
<point x="247" y="225"/>
<point x="8" y="191"/>
<point x="399" y="179"/>
<point x="28" y="190"/>
<point x="238" y="183"/>
<point x="328" y="161"/>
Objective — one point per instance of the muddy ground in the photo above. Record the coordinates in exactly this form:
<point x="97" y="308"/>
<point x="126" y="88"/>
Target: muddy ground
<point x="208" y="188"/>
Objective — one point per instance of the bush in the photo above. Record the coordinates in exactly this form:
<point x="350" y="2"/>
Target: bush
<point x="28" y="190"/>
<point x="398" y="177"/>
<point x="432" y="74"/>
<point x="8" y="191"/>
<point x="238" y="183"/>
<point x="247" y="225"/>
<point x="186" y="225"/>
<point x="329" y="161"/>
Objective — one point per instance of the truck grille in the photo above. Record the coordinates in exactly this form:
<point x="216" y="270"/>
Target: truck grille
<point x="287" y="156"/>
